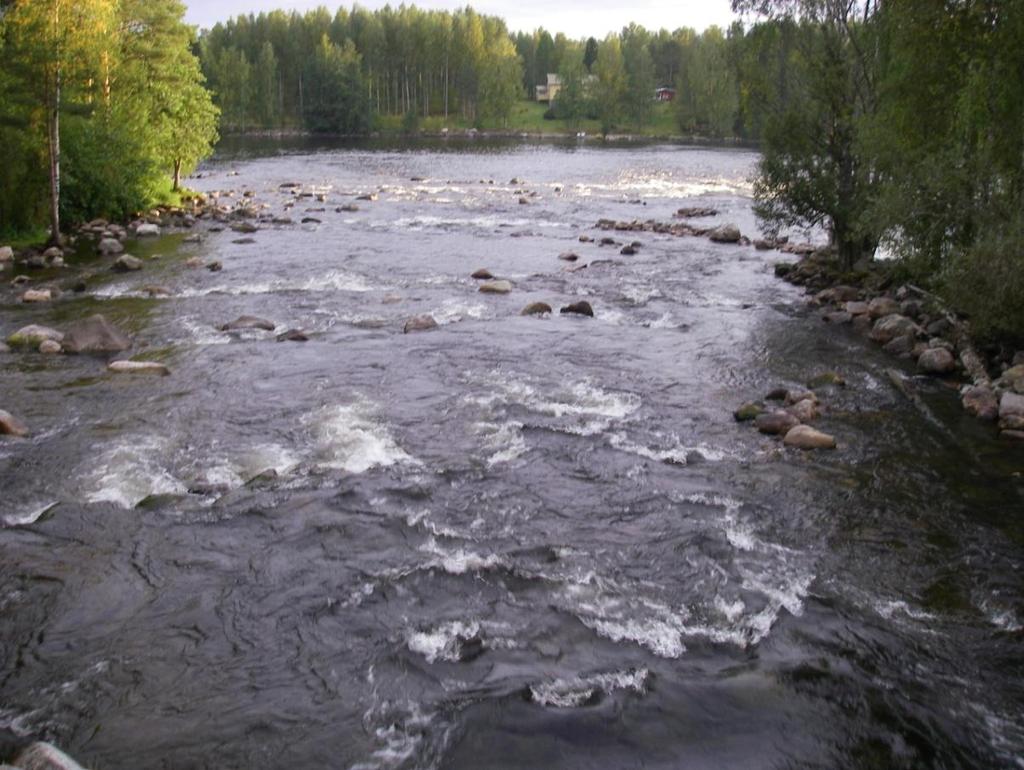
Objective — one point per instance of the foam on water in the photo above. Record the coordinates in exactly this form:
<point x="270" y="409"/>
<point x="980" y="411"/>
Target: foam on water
<point x="28" y="515"/>
<point x="458" y="561"/>
<point x="442" y="642"/>
<point x="677" y="453"/>
<point x="352" y="439"/>
<point x="453" y="310"/>
<point x="504" y="441"/>
<point x="130" y="471"/>
<point x="333" y="280"/>
<point x="579" y="691"/>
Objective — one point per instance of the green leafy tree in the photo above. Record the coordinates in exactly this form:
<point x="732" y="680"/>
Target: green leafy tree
<point x="61" y="48"/>
<point x="638" y="100"/>
<point x="611" y="86"/>
<point x="813" y="171"/>
<point x="572" y="102"/>
<point x="590" y="54"/>
<point x="336" y="102"/>
<point x="500" y="81"/>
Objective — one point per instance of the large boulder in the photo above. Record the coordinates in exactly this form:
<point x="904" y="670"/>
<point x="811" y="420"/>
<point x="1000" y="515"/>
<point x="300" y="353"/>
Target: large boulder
<point x="11" y="425"/>
<point x="496" y="287"/>
<point x="147" y="230"/>
<point x="1011" y="405"/>
<point x="806" y="437"/>
<point x="725" y="234"/>
<point x="245" y="322"/>
<point x="109" y="247"/>
<point x="536" y="308"/>
<point x="33" y="296"/>
<point x="981" y="402"/>
<point x="420" y="323"/>
<point x="126" y="263"/>
<point x="804" y="411"/>
<point x="747" y="412"/>
<point x="33" y="336"/>
<point x="892" y="326"/>
<point x="6" y="254"/>
<point x="50" y="347"/>
<point x="1013" y="379"/>
<point x="936" y="361"/>
<point x="776" y="423"/>
<point x="95" y="335"/>
<point x="880" y="307"/>
<point x="578" y="308"/>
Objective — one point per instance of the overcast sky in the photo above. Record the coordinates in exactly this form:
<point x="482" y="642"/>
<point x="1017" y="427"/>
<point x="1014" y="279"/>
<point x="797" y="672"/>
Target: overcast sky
<point x="576" y="18"/>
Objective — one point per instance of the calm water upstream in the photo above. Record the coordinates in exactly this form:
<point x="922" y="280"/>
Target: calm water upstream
<point x="509" y="542"/>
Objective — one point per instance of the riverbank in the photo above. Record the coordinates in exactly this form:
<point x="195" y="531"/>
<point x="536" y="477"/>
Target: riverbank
<point x="915" y="325"/>
<point x="526" y="122"/>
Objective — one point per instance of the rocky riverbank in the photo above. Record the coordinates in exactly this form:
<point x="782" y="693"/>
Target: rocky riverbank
<point x="914" y="325"/>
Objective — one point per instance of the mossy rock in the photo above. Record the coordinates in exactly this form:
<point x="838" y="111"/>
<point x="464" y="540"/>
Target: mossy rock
<point x="748" y="412"/>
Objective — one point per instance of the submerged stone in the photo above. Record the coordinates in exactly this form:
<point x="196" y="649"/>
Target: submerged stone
<point x="95" y="335"/>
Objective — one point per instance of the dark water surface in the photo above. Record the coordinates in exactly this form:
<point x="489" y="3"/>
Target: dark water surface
<point x="509" y="542"/>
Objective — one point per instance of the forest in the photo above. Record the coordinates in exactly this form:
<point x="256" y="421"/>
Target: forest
<point x="897" y="125"/>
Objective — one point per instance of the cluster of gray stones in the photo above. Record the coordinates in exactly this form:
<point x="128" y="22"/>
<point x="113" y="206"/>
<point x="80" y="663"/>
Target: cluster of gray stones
<point x="911" y="328"/>
<point x="790" y="412"/>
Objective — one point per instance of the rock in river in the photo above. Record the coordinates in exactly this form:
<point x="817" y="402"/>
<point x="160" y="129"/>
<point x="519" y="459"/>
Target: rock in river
<point x="483" y="275"/>
<point x="147" y="231"/>
<point x="578" y="308"/>
<point x="420" y="323"/>
<point x="248" y="322"/>
<point x="981" y="402"/>
<point x="497" y="287"/>
<point x="725" y="234"/>
<point x="805" y="410"/>
<point x="892" y="326"/>
<point x="568" y="256"/>
<point x="50" y="347"/>
<point x="127" y="264"/>
<point x="936" y="361"/>
<point x="33" y="296"/>
<point x="293" y="335"/>
<point x="95" y="334"/>
<point x="536" y="308"/>
<point x="33" y="336"/>
<point x="776" y="423"/>
<point x="747" y="412"/>
<point x="880" y="307"/>
<point x="1011" y="405"/>
<point x="108" y="247"/>
<point x="138" y="367"/>
<point x="11" y="425"/>
<point x="806" y="437"/>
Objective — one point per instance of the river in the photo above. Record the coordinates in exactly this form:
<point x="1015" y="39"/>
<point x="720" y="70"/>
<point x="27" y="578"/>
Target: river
<point x="509" y="542"/>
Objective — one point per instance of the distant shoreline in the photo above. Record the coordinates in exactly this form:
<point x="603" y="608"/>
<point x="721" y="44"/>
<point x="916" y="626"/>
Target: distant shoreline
<point x="617" y="138"/>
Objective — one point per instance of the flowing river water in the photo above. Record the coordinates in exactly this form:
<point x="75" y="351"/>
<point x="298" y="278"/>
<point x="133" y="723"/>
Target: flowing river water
<point x="509" y="542"/>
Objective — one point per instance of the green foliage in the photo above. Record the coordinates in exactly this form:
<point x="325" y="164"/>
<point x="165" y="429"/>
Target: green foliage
<point x="104" y="95"/>
<point x="572" y="104"/>
<point x="336" y="100"/>
<point x="707" y="102"/>
<point x="610" y="90"/>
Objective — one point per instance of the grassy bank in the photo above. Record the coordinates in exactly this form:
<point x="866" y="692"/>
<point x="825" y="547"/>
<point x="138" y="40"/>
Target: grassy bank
<point x="528" y="117"/>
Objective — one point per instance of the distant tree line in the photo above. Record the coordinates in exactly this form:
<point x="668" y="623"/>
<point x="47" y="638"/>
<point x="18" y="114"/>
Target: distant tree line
<point x="329" y="72"/>
<point x="102" y="105"/>
<point x="268" y="70"/>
